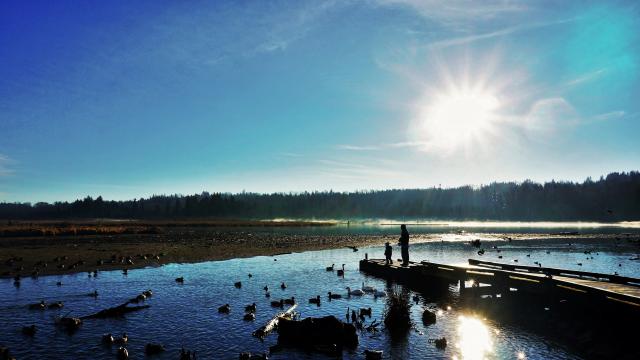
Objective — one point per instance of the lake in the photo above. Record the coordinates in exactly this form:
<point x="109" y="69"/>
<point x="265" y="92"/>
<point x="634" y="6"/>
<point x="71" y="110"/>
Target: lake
<point x="186" y="314"/>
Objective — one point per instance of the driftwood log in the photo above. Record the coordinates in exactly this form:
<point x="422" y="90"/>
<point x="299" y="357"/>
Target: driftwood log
<point x="115" y="311"/>
<point x="271" y="324"/>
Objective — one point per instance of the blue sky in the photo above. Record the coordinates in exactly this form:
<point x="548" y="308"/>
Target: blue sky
<point x="127" y="99"/>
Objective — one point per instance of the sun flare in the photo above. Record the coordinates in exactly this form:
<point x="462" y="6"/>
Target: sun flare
<point x="458" y="118"/>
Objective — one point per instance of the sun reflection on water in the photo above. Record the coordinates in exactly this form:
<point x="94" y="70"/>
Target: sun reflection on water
<point x="474" y="340"/>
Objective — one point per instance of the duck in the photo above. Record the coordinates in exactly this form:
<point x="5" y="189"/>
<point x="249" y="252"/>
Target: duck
<point x="365" y="312"/>
<point x="330" y="268"/>
<point x="39" y="306"/>
<point x="224" y="309"/>
<point x="368" y="289"/>
<point x="238" y="284"/>
<point x="340" y="272"/>
<point x="373" y="354"/>
<point x="249" y="317"/>
<point x="354" y="292"/>
<point x="380" y="293"/>
<point x="122" y="340"/>
<point x="334" y="296"/>
<point x="283" y="286"/>
<point x="267" y="294"/>
<point x="180" y="280"/>
<point x="291" y="301"/>
<point x="315" y="300"/>
<point x="353" y="248"/>
<point x="250" y="308"/>
<point x="56" y="305"/>
<point x="93" y="294"/>
<point x="279" y="303"/>
<point x="123" y="354"/>
<point x="265" y="288"/>
<point x="147" y="293"/>
<point x="59" y="283"/>
<point x="108" y="339"/>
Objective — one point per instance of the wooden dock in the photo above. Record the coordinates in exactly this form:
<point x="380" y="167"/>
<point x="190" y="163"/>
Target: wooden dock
<point x="501" y="280"/>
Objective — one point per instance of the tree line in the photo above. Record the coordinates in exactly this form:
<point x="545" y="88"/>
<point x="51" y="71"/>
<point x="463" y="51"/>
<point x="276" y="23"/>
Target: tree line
<point x="615" y="197"/>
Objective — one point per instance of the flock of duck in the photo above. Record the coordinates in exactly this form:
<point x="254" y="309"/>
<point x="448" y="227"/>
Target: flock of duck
<point x="355" y="316"/>
<point x="61" y="265"/>
<point x="317" y="300"/>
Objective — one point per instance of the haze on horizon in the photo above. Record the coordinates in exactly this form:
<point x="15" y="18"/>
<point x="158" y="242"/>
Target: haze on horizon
<point x="129" y="99"/>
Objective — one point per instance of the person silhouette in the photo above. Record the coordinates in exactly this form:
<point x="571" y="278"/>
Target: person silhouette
<point x="404" y="244"/>
<point x="388" y="252"/>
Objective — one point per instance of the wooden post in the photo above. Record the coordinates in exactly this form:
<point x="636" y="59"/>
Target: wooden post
<point x="366" y="256"/>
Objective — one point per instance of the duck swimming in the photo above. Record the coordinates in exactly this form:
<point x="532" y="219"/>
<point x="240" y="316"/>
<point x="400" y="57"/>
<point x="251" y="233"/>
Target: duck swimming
<point x="224" y="309"/>
<point x="291" y="301"/>
<point x="354" y="292"/>
<point x="250" y="308"/>
<point x="330" y="268"/>
<point x="39" y="306"/>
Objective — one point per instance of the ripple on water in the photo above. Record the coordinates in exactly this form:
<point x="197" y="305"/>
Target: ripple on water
<point x="186" y="314"/>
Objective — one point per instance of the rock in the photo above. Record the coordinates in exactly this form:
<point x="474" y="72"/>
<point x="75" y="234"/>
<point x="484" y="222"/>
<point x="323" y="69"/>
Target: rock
<point x="428" y="317"/>
<point x="317" y="331"/>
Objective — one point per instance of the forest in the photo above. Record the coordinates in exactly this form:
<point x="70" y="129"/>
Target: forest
<point x="615" y="197"/>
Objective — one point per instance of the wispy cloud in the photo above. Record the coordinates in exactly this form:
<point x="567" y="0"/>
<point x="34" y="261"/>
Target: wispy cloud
<point x="385" y="146"/>
<point x="611" y="115"/>
<point x="455" y="11"/>
<point x="4" y="165"/>
<point x="290" y="154"/>
<point x="584" y="78"/>
<point x="464" y="40"/>
<point x="358" y="147"/>
<point x="356" y="170"/>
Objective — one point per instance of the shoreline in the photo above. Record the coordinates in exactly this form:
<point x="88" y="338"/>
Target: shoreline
<point x="62" y="255"/>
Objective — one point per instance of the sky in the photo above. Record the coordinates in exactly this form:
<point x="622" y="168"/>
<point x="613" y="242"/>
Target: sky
<point x="127" y="99"/>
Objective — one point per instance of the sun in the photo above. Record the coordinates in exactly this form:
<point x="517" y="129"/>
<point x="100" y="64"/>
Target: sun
<point x="458" y="118"/>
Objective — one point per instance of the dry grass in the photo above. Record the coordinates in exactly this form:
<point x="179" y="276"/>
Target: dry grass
<point x="122" y="227"/>
<point x="397" y="314"/>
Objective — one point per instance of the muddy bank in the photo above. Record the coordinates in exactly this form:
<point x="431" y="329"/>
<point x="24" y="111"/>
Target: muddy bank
<point x="45" y="255"/>
<point x="69" y="254"/>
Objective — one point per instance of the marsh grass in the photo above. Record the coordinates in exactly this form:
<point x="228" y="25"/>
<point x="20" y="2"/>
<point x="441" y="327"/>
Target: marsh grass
<point x="397" y="314"/>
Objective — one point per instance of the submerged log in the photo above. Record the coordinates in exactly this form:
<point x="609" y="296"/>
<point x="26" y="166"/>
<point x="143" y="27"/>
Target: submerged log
<point x="116" y="311"/>
<point x="271" y="324"/>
